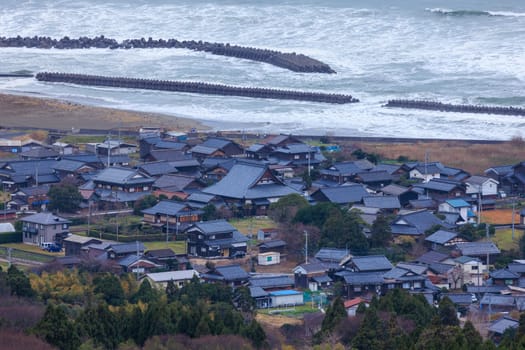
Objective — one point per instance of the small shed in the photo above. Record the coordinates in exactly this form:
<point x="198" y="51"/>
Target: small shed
<point x="269" y="258"/>
<point x="286" y="298"/>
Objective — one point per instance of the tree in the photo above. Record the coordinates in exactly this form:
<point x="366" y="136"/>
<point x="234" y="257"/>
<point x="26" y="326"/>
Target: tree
<point x="286" y="207"/>
<point x="381" y="234"/>
<point x="144" y="203"/>
<point x="56" y="328"/>
<point x="19" y="283"/>
<point x="108" y="285"/>
<point x="210" y="213"/>
<point x="447" y="312"/>
<point x="64" y="198"/>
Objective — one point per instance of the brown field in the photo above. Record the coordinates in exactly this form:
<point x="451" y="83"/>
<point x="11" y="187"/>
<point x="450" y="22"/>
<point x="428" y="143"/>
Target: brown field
<point x="470" y="156"/>
<point x="500" y="217"/>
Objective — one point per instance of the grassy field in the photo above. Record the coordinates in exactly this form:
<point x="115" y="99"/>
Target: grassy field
<point x="292" y="312"/>
<point x="503" y="239"/>
<point x="252" y="225"/>
<point x="178" y="247"/>
<point x="31" y="249"/>
<point x="470" y="156"/>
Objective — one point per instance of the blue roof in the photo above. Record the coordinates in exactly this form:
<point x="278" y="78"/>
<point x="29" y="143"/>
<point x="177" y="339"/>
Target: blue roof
<point x="284" y="292"/>
<point x="441" y="237"/>
<point x="457" y="203"/>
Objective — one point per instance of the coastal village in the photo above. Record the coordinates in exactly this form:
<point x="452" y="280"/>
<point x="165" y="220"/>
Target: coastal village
<point x="257" y="212"/>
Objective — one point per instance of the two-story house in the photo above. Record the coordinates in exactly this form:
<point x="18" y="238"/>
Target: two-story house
<point x="121" y="185"/>
<point x="44" y="228"/>
<point x="216" y="238"/>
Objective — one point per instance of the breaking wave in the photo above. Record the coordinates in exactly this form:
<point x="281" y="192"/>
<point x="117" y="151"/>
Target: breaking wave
<point x="460" y="13"/>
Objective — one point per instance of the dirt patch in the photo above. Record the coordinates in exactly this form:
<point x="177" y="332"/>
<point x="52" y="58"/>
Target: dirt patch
<point x="500" y="217"/>
<point x="23" y="111"/>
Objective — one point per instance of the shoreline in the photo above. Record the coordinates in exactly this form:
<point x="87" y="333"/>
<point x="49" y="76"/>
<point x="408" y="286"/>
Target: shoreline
<point x="23" y="111"/>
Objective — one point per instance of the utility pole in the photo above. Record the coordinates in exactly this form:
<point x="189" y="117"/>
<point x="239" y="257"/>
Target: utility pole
<point x="513" y="215"/>
<point x="306" y="246"/>
<point x="167" y="227"/>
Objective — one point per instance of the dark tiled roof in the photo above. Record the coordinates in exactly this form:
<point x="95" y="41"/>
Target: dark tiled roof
<point x="374" y="176"/>
<point x="124" y="248"/>
<point x="157" y="168"/>
<point x="503" y="274"/>
<point x="166" y="208"/>
<point x="478" y="248"/>
<point x="394" y="190"/>
<point x="257" y="292"/>
<point x="173" y="182"/>
<point x="431" y="257"/>
<point x="45" y="219"/>
<point x="362" y="278"/>
<point x="516" y="267"/>
<point x="40" y="153"/>
<point x="389" y="168"/>
<point x="278" y="243"/>
<point x="497" y="300"/>
<point x="421" y="220"/>
<point x="272" y="281"/>
<point x="459" y="298"/>
<point x="344" y="194"/>
<point x="232" y="272"/>
<point x="36" y="190"/>
<point x="441" y="237"/>
<point x="116" y="175"/>
<point x="331" y="254"/>
<point x="501" y="325"/>
<point x="68" y="165"/>
<point x="160" y="253"/>
<point x="383" y="202"/>
<point x="169" y="155"/>
<point x="214" y="227"/>
<point x="371" y="263"/>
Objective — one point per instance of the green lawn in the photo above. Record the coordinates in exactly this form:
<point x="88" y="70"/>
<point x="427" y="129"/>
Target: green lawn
<point x="297" y="311"/>
<point x="30" y="248"/>
<point x="503" y="238"/>
<point x="178" y="247"/>
<point x="252" y="225"/>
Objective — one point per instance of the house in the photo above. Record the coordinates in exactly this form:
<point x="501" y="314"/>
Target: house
<point x="116" y="251"/>
<point x="71" y="169"/>
<point x="500" y="174"/>
<point x="441" y="189"/>
<point x="232" y="275"/>
<point x="39" y="154"/>
<point x="369" y="263"/>
<point x="168" y="259"/>
<point x="111" y="147"/>
<point x="216" y="147"/>
<point x="415" y="223"/>
<point x="448" y="276"/>
<point x="156" y="169"/>
<point x="497" y="303"/>
<point x="267" y="233"/>
<point x="345" y="171"/>
<point x="73" y="244"/>
<point x="361" y="283"/>
<point x="215" y="169"/>
<point x="352" y="305"/>
<point x="498" y="327"/>
<point x="374" y="179"/>
<point x="250" y="188"/>
<point x="479" y="249"/>
<point x="332" y="255"/>
<point x="443" y="238"/>
<point x="136" y="264"/>
<point x="63" y="148"/>
<point x="272" y="282"/>
<point x="431" y="257"/>
<point x="44" y="228"/>
<point x="276" y="245"/>
<point x="425" y="171"/>
<point x="342" y="195"/>
<point x="179" y="278"/>
<point x="171" y="216"/>
<point x="297" y="154"/>
<point x="216" y="238"/>
<point x="121" y="185"/>
<point x="504" y="277"/>
<point x="460" y="207"/>
<point x="258" y="151"/>
<point x="473" y="270"/>
<point x="33" y="197"/>
<point x="483" y="186"/>
<point x="286" y="298"/>
<point x="404" y="194"/>
<point x="312" y="275"/>
<point x="387" y="204"/>
<point x="180" y="186"/>
<point x="24" y="173"/>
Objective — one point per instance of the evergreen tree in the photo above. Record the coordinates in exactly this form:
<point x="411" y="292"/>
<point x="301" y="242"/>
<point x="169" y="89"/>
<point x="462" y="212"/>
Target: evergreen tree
<point x="474" y="339"/>
<point x="447" y="313"/>
<point x="146" y="293"/>
<point x="108" y="285"/>
<point x="381" y="234"/>
<point x="64" y="198"/>
<point x="56" y="328"/>
<point x="19" y="283"/>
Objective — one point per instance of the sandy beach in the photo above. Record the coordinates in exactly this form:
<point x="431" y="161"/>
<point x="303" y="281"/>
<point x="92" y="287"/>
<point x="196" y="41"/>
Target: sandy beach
<point x="33" y="112"/>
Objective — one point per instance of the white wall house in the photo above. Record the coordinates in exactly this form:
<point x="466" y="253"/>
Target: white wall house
<point x="483" y="185"/>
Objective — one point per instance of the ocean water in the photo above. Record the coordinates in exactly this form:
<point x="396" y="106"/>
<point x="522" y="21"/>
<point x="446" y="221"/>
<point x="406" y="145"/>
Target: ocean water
<point x="455" y="51"/>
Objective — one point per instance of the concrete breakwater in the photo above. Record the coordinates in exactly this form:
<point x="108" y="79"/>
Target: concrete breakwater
<point x="194" y="87"/>
<point x="291" y="61"/>
<point x="447" y="107"/>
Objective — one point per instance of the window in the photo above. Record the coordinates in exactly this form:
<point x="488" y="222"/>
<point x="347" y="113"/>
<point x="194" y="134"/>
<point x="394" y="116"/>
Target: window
<point x="474" y="267"/>
<point x="64" y="226"/>
<point x="357" y="288"/>
<point x="296" y="156"/>
<point x="406" y="285"/>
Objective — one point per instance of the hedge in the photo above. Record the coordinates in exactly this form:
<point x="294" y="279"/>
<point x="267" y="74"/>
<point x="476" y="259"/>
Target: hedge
<point x="10" y="237"/>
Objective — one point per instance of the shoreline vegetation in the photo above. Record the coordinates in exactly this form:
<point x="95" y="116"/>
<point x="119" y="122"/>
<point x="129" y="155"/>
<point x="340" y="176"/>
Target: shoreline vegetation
<point x="18" y="111"/>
